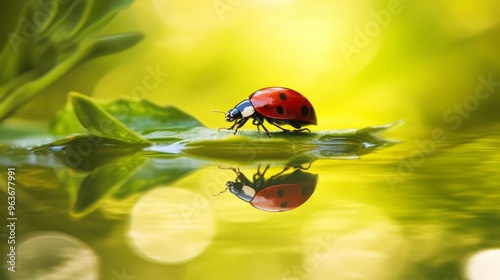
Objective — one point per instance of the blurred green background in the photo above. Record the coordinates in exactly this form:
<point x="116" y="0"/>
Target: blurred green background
<point x="359" y="62"/>
<point x="418" y="210"/>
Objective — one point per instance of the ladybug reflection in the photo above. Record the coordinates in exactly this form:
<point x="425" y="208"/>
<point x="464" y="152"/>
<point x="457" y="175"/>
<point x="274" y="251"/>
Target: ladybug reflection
<point x="280" y="192"/>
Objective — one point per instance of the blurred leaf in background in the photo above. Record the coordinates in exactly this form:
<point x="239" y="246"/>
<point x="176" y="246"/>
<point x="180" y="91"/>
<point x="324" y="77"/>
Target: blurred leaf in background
<point x="52" y="38"/>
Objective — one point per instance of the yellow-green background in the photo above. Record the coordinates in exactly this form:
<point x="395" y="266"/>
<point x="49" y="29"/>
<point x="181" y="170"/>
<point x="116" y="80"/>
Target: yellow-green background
<point x="416" y="68"/>
<point x="426" y="58"/>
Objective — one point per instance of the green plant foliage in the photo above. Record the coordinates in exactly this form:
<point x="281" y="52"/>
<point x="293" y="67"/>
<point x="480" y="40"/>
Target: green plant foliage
<point x="104" y="180"/>
<point x="158" y="170"/>
<point x="126" y="123"/>
<point x="88" y="152"/>
<point x="143" y="117"/>
<point x="100" y="123"/>
<point x="290" y="147"/>
<point x="128" y="147"/>
<point x="40" y="51"/>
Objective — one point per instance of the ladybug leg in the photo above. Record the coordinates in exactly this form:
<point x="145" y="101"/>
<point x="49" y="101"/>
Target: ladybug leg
<point x="265" y="129"/>
<point x="240" y="177"/>
<point x="298" y="166"/>
<point x="303" y="129"/>
<point x="279" y="173"/>
<point x="259" y="175"/>
<point x="284" y="129"/>
<point x="258" y="178"/>
<point x="257" y="121"/>
<point x="303" y="167"/>
<point x="228" y="128"/>
<point x="237" y="125"/>
<point x="265" y="169"/>
<point x="256" y="175"/>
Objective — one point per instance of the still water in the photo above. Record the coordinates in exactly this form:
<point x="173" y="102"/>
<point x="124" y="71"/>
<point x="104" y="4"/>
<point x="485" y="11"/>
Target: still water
<point x="425" y="208"/>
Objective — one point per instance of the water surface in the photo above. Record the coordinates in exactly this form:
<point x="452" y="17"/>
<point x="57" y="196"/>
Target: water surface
<point x="426" y="208"/>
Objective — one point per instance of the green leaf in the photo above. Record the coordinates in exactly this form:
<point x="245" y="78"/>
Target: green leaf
<point x="74" y="13"/>
<point x="254" y="146"/>
<point x="88" y="152"/>
<point x="143" y="117"/>
<point x="98" y="122"/>
<point x="66" y="122"/>
<point x="156" y="171"/>
<point x="99" y="14"/>
<point x="104" y="180"/>
<point x="62" y="17"/>
<point x="106" y="45"/>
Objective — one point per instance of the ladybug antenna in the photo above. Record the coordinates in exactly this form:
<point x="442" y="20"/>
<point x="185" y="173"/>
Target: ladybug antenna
<point x="220" y="192"/>
<point x="215" y="111"/>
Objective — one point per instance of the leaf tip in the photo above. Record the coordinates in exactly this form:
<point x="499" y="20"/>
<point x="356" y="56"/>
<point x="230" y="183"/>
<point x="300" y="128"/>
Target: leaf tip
<point x="74" y="96"/>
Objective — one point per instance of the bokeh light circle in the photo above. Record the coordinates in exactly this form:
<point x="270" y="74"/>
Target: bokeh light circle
<point x="54" y="255"/>
<point x="484" y="265"/>
<point x="360" y="242"/>
<point x="171" y="225"/>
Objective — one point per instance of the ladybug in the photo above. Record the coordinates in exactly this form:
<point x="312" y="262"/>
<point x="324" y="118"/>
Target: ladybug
<point x="277" y="105"/>
<point x="281" y="192"/>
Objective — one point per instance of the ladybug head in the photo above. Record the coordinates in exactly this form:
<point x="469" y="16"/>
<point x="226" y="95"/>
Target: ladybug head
<point x="232" y="115"/>
<point x="244" y="109"/>
<point x="234" y="187"/>
<point x="245" y="193"/>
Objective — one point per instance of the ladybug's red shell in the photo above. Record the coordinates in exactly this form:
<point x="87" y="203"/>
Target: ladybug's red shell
<point x="284" y="197"/>
<point x="283" y="104"/>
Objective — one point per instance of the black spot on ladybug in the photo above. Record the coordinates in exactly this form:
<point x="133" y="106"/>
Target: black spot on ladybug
<point x="279" y="110"/>
<point x="313" y="114"/>
<point x="284" y="204"/>
<point x="282" y="96"/>
<point x="305" y="190"/>
<point x="304" y="110"/>
<point x="280" y="192"/>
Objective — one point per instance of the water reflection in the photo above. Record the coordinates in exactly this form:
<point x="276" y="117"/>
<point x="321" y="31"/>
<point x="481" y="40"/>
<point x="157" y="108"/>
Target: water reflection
<point x="170" y="225"/>
<point x="282" y="191"/>
<point x="149" y="214"/>
<point x="55" y="255"/>
<point x="484" y="265"/>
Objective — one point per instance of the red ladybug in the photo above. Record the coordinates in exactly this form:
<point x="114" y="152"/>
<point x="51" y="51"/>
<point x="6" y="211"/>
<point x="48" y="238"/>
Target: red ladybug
<point x="280" y="192"/>
<point x="277" y="105"/>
